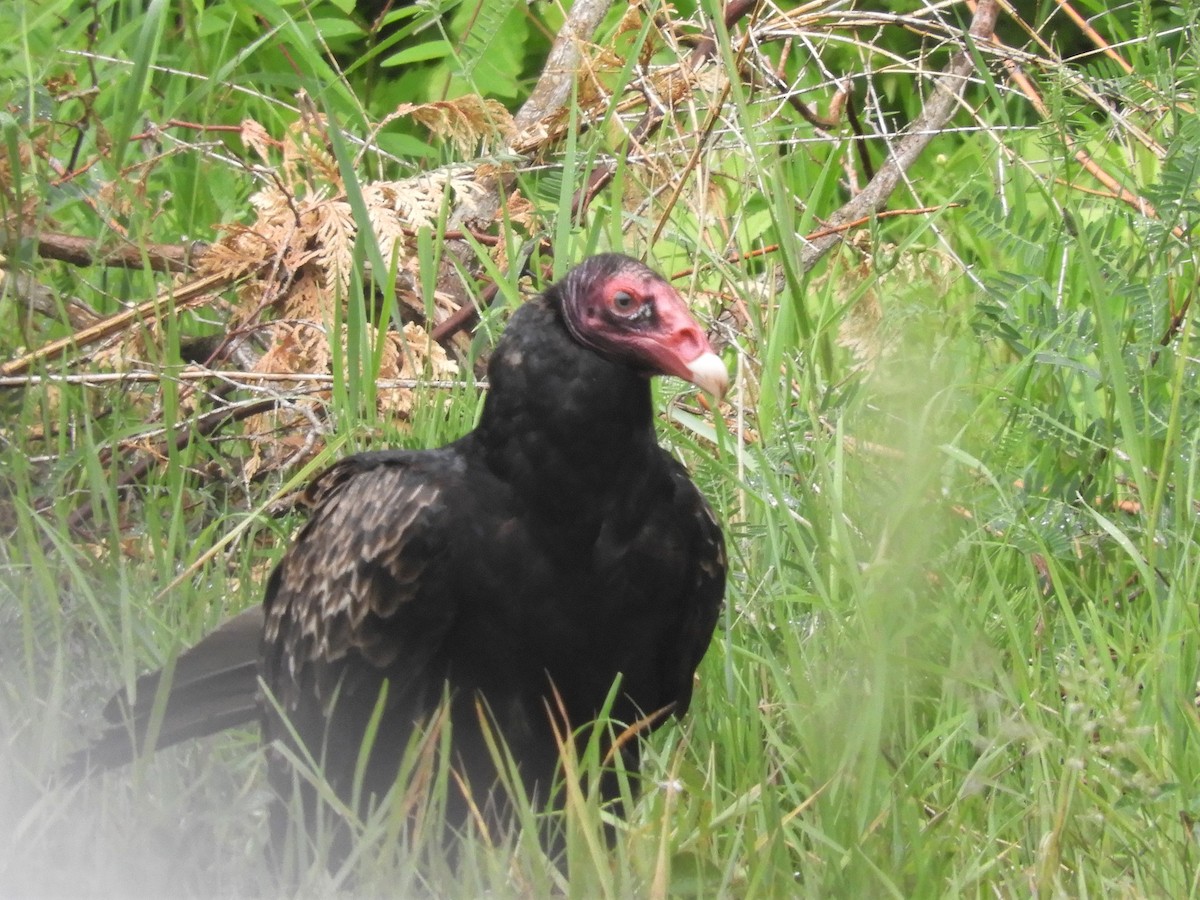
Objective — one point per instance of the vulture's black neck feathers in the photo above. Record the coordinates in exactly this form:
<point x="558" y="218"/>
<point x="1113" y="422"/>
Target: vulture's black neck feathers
<point x="560" y="422"/>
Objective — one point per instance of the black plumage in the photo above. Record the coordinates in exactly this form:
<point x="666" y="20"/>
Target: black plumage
<point x="520" y="569"/>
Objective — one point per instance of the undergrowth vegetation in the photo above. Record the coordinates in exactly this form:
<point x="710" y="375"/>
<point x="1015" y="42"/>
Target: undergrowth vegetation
<point x="958" y="468"/>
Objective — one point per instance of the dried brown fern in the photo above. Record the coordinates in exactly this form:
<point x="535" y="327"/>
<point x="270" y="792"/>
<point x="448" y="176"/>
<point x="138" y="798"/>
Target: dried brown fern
<point x="301" y="245"/>
<point x="471" y="123"/>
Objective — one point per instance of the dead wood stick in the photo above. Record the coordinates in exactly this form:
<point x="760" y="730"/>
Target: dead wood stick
<point x="553" y="89"/>
<point x="183" y="296"/>
<point x="81" y="251"/>
<point x="939" y="107"/>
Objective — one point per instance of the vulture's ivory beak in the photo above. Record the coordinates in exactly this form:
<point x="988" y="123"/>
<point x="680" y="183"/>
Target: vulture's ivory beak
<point x="708" y="373"/>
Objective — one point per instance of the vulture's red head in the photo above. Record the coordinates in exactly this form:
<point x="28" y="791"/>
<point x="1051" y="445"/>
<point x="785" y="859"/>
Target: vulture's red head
<point x="626" y="312"/>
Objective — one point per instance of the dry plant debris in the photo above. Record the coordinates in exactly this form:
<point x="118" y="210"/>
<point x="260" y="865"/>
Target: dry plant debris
<point x="293" y="264"/>
<point x="278" y="279"/>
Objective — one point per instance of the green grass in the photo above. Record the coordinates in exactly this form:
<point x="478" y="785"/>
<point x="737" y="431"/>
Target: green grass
<point x="961" y="646"/>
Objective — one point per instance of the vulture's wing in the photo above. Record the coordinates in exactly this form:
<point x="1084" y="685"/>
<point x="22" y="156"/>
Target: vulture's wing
<point x="344" y="589"/>
<point x="702" y="598"/>
<point x="363" y="593"/>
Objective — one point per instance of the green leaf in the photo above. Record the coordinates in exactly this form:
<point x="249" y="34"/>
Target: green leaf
<point x="420" y="53"/>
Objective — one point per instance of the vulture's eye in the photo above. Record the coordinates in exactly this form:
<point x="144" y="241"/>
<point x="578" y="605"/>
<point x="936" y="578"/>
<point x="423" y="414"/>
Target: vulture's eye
<point x="624" y="302"/>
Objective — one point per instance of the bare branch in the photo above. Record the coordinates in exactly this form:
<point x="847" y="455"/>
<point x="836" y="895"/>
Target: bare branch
<point x="80" y="251"/>
<point x="553" y="90"/>
<point x="940" y="106"/>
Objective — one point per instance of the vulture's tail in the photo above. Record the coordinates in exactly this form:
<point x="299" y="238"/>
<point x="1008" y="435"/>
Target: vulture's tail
<point x="213" y="687"/>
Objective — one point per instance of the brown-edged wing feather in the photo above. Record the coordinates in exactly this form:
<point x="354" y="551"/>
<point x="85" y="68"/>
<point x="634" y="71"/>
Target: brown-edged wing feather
<point x="357" y="598"/>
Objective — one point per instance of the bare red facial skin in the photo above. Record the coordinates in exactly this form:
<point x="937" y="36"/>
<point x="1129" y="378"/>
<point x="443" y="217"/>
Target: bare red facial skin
<point x="644" y="320"/>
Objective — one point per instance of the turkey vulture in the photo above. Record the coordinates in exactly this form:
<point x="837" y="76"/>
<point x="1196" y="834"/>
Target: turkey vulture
<point x="519" y="571"/>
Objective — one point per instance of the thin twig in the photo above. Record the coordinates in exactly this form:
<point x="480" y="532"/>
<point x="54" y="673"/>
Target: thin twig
<point x="1093" y="168"/>
<point x="1094" y="36"/>
<point x="235" y="376"/>
<point x="654" y="115"/>
<point x="739" y="256"/>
